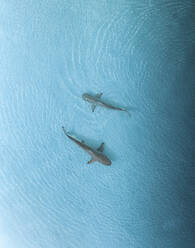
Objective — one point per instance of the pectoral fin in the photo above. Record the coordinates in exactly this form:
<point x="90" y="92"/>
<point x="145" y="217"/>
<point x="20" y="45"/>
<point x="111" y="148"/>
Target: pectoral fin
<point x="91" y="161"/>
<point x="101" y="148"/>
<point x="93" y="107"/>
<point x="99" y="95"/>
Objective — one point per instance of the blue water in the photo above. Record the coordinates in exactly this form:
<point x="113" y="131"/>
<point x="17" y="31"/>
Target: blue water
<point x="140" y="54"/>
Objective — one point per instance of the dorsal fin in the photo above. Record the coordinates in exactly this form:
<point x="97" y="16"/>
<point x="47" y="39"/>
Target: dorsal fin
<point x="101" y="147"/>
<point x="99" y="95"/>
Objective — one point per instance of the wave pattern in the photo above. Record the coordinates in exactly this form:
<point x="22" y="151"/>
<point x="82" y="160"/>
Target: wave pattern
<point x="134" y="52"/>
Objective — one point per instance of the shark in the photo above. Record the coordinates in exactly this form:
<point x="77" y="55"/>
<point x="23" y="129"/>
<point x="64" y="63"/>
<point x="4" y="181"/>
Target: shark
<point x="96" y="154"/>
<point x="96" y="101"/>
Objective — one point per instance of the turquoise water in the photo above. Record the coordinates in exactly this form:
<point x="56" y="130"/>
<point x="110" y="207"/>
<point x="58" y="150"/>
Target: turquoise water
<point x="140" y="54"/>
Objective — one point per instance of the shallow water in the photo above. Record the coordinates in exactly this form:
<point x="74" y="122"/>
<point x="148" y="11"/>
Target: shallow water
<point x="140" y="55"/>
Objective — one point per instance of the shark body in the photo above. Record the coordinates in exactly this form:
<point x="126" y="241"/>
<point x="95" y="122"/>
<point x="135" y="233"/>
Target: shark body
<point x="96" y="154"/>
<point x="96" y="100"/>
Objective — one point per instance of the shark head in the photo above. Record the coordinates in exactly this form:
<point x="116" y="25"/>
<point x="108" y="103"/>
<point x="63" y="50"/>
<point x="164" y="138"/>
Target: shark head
<point x="86" y="97"/>
<point x="103" y="159"/>
<point x="107" y="161"/>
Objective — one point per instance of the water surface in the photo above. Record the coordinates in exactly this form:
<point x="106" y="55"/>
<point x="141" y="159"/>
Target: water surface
<point x="140" y="55"/>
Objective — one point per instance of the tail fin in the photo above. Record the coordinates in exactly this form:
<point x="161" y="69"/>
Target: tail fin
<point x="64" y="130"/>
<point x="127" y="112"/>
